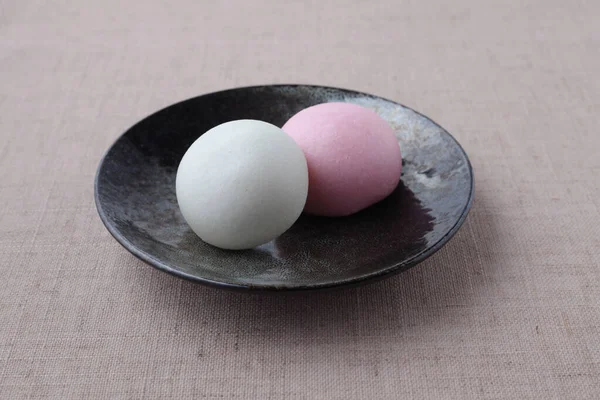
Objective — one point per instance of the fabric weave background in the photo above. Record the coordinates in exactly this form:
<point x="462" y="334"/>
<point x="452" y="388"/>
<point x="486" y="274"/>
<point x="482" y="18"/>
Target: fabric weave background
<point x="509" y="309"/>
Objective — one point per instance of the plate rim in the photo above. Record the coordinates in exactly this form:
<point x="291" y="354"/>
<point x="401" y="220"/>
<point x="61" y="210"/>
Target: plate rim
<point x="385" y="272"/>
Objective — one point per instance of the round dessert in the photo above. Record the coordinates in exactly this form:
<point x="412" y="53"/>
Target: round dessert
<point x="242" y="184"/>
<point x="353" y="157"/>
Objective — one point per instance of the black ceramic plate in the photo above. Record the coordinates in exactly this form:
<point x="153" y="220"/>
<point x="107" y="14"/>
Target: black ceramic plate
<point x="135" y="196"/>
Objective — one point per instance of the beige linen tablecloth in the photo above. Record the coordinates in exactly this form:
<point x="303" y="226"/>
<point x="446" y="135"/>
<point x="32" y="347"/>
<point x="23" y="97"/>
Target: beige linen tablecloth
<point x="509" y="309"/>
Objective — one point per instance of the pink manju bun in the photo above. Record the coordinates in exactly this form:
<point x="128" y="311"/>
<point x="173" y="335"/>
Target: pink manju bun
<point x="353" y="157"/>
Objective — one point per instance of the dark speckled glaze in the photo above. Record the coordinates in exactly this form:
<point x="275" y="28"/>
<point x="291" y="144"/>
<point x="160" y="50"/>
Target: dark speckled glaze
<point x="135" y="196"/>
